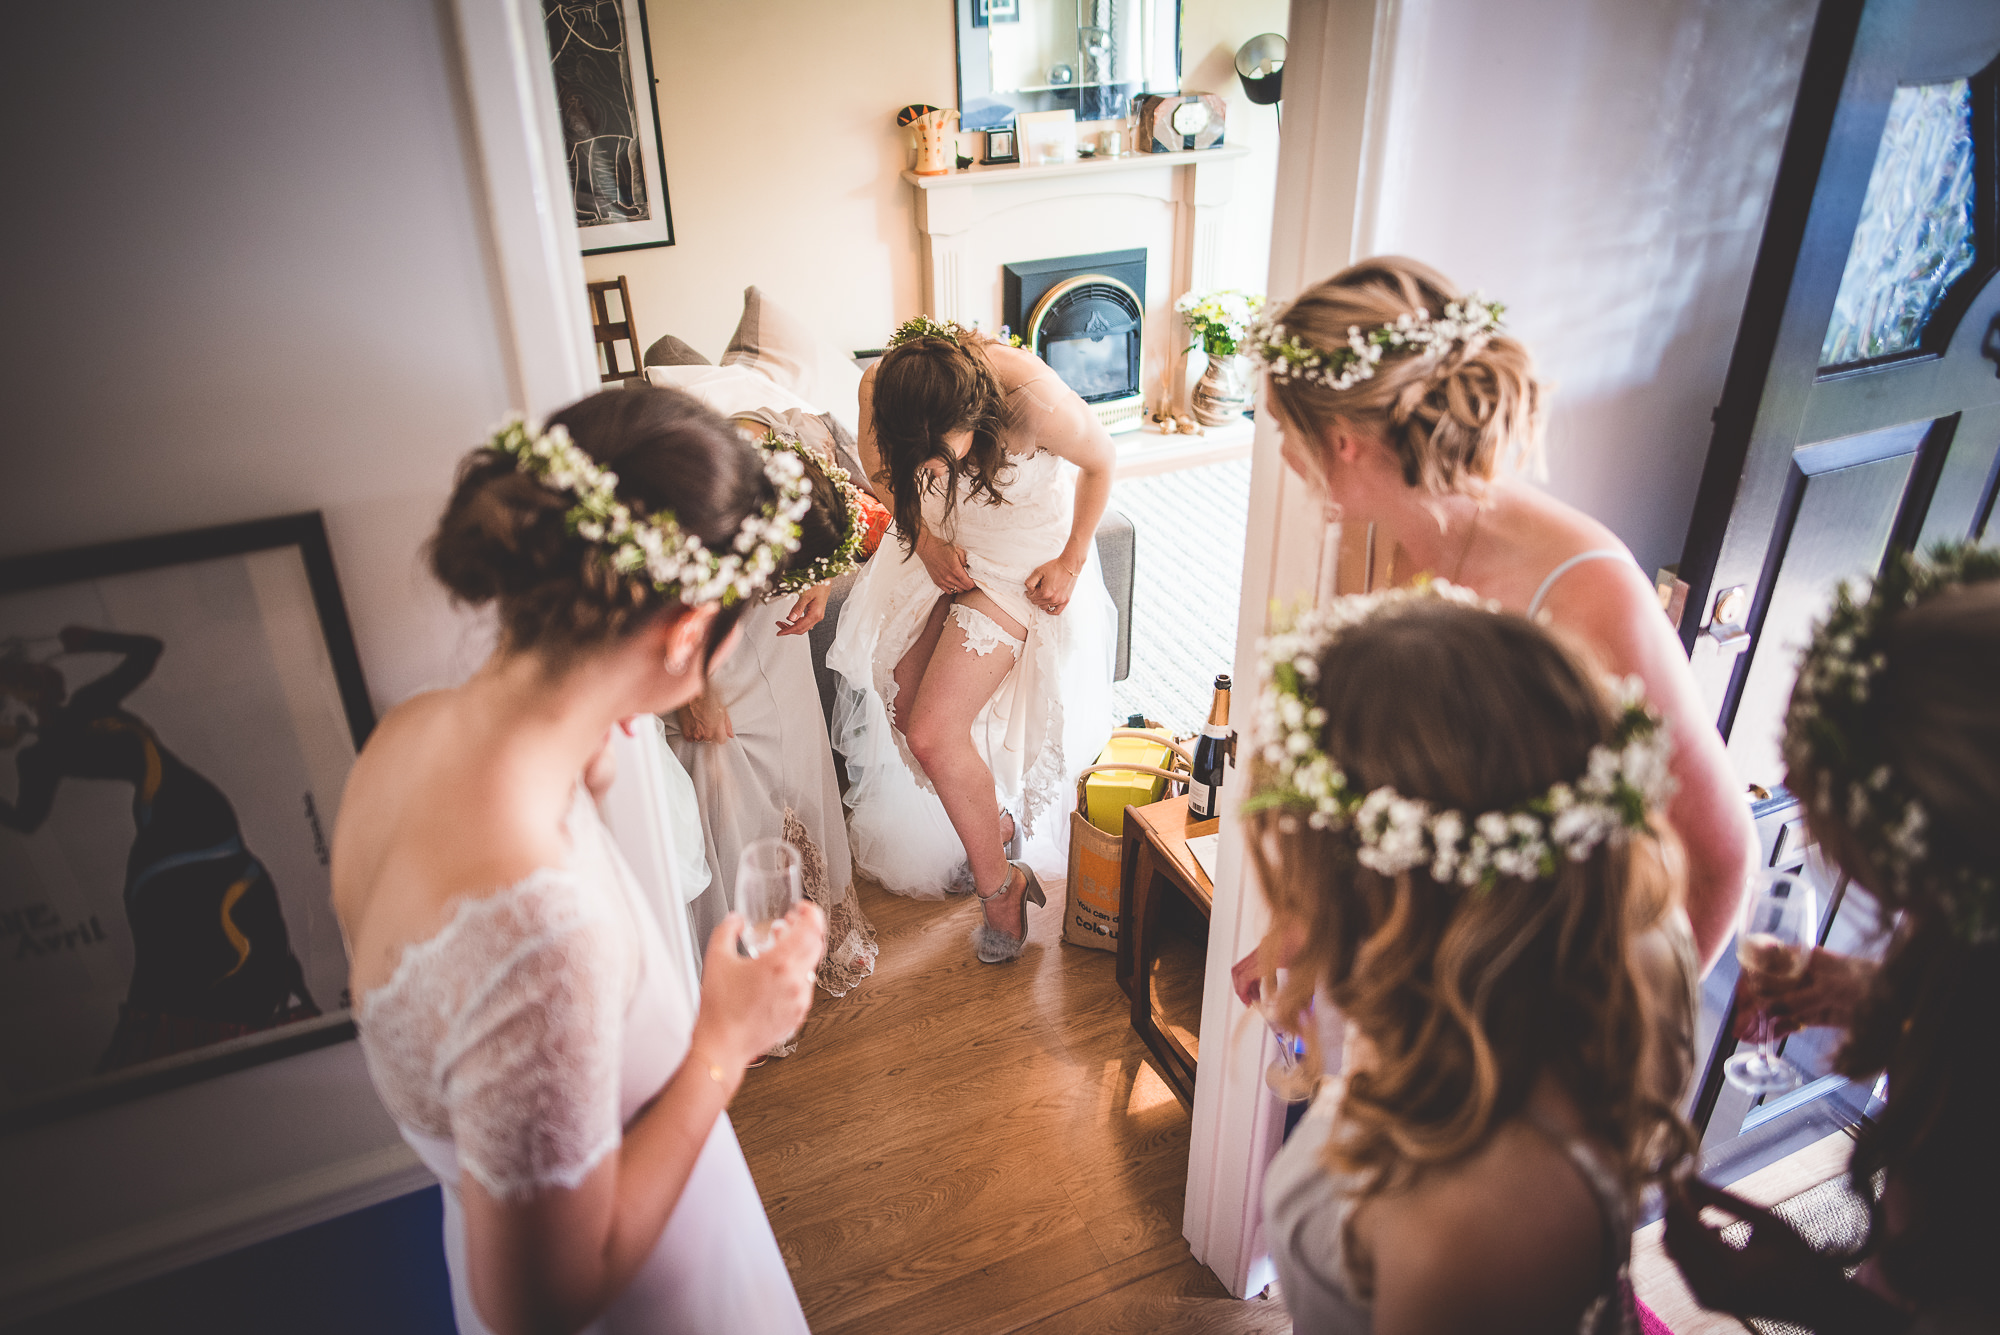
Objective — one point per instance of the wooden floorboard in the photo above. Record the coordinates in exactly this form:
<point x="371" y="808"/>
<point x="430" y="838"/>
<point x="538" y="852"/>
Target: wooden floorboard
<point x="984" y="1149"/>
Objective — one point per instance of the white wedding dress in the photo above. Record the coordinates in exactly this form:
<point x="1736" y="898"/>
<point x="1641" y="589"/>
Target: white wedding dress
<point x="775" y="778"/>
<point x="1049" y="717"/>
<point x="514" y="1046"/>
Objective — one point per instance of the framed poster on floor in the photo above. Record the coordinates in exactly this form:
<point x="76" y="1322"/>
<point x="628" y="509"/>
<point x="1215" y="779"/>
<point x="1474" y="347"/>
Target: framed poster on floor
<point x="178" y="716"/>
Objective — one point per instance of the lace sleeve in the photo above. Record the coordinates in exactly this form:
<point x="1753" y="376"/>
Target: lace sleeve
<point x="529" y="1064"/>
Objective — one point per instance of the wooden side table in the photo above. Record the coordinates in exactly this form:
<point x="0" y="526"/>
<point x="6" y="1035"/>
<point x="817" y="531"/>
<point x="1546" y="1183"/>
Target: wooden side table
<point x="1158" y="864"/>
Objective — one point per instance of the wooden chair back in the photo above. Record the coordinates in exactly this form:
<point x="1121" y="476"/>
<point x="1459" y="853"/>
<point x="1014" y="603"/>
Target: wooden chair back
<point x="609" y="333"/>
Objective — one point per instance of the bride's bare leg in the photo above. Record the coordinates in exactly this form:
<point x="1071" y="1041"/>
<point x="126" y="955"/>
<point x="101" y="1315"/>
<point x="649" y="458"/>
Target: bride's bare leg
<point x="909" y="672"/>
<point x="956" y="685"/>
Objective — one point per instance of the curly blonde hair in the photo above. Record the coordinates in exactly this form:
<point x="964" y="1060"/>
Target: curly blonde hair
<point x="1466" y="996"/>
<point x="1451" y="421"/>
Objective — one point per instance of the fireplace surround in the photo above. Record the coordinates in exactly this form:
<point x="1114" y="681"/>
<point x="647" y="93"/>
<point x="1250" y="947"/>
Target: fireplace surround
<point x="974" y="223"/>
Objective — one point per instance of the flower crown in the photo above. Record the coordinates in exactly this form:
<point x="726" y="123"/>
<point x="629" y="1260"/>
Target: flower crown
<point x="1831" y="730"/>
<point x="922" y="326"/>
<point x="1624" y="779"/>
<point x="1465" y="320"/>
<point x="846" y="555"/>
<point x="655" y="545"/>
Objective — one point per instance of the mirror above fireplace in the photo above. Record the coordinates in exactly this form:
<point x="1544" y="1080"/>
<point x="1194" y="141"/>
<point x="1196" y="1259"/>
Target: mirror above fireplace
<point x="1088" y="56"/>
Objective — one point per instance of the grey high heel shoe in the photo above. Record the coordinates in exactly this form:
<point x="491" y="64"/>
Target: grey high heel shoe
<point x="994" y="946"/>
<point x="961" y="882"/>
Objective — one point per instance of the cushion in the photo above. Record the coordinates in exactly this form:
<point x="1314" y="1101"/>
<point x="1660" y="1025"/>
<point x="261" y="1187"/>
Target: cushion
<point x="671" y="351"/>
<point x="730" y="390"/>
<point x="773" y="341"/>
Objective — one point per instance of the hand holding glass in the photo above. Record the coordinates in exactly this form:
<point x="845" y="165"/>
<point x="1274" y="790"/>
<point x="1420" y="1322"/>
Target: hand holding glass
<point x="767" y="885"/>
<point x="1774" y="943"/>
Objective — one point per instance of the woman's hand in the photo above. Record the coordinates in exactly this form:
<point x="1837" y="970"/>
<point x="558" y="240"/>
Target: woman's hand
<point x="1775" y="1273"/>
<point x="1246" y="976"/>
<point x="749" y="1006"/>
<point x="705" y="718"/>
<point x="945" y="563"/>
<point x="807" y="612"/>
<point x="1829" y="993"/>
<point x="1050" y="587"/>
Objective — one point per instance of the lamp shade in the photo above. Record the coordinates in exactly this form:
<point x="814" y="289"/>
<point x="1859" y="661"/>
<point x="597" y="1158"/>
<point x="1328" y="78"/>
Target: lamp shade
<point x="1260" y="64"/>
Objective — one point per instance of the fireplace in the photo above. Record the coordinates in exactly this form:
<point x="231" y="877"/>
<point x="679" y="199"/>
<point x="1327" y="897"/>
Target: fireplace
<point x="1084" y="316"/>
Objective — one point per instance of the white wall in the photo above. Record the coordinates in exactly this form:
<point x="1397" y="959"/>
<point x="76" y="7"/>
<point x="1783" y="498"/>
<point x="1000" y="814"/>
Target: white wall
<point x="1603" y="166"/>
<point x="247" y="272"/>
<point x="777" y="123"/>
<point x="247" y="275"/>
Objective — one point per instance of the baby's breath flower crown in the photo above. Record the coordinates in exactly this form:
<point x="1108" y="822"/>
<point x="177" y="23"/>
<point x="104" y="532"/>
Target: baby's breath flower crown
<point x="1287" y="358"/>
<point x="655" y="546"/>
<point x="1833" y="731"/>
<point x="922" y="326"/>
<point x="1623" y="781"/>
<point x="847" y="555"/>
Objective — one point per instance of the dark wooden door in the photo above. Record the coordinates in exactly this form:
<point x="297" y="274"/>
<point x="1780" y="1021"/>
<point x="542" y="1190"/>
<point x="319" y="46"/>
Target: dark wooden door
<point x="1862" y="405"/>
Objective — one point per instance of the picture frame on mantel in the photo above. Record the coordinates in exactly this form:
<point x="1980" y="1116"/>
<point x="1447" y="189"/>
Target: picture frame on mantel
<point x="601" y="53"/>
<point x="178" y="716"/>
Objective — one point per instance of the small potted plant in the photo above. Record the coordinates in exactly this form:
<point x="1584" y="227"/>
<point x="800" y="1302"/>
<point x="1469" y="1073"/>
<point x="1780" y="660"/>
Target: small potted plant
<point x="1217" y="324"/>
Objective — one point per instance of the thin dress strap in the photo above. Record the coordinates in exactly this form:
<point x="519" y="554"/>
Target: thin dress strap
<point x="1597" y="554"/>
<point x="1610" y="1311"/>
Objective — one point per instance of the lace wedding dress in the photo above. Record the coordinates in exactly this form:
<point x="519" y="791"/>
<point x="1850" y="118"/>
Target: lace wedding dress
<point x="1048" y="718"/>
<point x="775" y="778"/>
<point x="515" y="1044"/>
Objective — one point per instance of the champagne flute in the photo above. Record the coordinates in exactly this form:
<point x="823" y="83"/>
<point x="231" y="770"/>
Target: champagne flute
<point x="1286" y="1077"/>
<point x="1774" y="944"/>
<point x="767" y="885"/>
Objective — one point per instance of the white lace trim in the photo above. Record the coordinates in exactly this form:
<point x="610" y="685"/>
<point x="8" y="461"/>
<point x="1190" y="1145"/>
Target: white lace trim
<point x="982" y="633"/>
<point x="503" y="1033"/>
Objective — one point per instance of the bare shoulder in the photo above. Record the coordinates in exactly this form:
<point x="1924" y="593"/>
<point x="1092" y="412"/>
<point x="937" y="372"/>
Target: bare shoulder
<point x="1511" y="1239"/>
<point x="1015" y="366"/>
<point x="433" y="813"/>
<point x="1556" y="525"/>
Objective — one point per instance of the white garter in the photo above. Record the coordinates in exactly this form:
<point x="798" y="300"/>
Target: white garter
<point x="982" y="633"/>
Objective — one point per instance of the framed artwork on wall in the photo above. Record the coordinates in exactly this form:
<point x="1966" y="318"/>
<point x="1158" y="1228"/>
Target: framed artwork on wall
<point x="178" y="716"/>
<point x="603" y="62"/>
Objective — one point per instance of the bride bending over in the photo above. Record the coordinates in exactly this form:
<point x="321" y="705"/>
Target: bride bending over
<point x="523" y="1017"/>
<point x="987" y="646"/>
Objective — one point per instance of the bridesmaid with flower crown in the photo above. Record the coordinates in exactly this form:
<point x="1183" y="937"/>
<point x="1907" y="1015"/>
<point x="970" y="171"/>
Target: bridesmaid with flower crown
<point x="1407" y="406"/>
<point x="754" y="743"/>
<point x="523" y="1016"/>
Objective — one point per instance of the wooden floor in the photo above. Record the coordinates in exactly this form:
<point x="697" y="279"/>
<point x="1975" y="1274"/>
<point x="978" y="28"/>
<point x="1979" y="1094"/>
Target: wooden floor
<point x="960" y="1147"/>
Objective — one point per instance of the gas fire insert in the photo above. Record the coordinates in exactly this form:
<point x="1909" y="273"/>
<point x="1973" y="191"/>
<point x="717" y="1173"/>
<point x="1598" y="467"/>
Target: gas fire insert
<point x="1085" y="316"/>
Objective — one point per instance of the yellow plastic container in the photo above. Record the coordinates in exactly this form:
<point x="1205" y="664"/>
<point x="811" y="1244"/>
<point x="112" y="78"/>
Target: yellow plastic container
<point x="1106" y="794"/>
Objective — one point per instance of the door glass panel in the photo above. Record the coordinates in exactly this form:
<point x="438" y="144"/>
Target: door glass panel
<point x="1915" y="235"/>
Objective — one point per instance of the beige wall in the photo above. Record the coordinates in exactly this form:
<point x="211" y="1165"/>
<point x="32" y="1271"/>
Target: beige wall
<point x="782" y="155"/>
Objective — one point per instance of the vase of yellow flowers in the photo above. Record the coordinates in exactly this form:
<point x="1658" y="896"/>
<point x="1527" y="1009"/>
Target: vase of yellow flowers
<point x="1217" y="324"/>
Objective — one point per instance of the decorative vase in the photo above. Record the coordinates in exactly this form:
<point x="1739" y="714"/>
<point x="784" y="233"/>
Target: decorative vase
<point x="1223" y="392"/>
<point x="936" y="141"/>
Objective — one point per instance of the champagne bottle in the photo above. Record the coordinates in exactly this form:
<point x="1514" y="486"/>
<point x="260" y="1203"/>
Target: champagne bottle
<point x="1211" y="754"/>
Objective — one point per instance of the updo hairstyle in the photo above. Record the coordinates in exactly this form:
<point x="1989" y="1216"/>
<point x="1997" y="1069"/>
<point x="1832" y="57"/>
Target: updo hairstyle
<point x="1451" y="421"/>
<point x="925" y="389"/>
<point x="1467" y="995"/>
<point x="502" y="538"/>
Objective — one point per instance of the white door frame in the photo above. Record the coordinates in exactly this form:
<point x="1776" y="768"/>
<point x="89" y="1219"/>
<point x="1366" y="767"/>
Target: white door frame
<point x="535" y="254"/>
<point x="1329" y="172"/>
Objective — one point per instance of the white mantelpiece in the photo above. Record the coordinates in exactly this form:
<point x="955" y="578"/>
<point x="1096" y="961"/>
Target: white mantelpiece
<point x="1173" y="204"/>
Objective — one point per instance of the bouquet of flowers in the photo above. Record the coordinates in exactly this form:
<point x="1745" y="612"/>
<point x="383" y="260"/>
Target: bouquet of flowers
<point x="1219" y="320"/>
